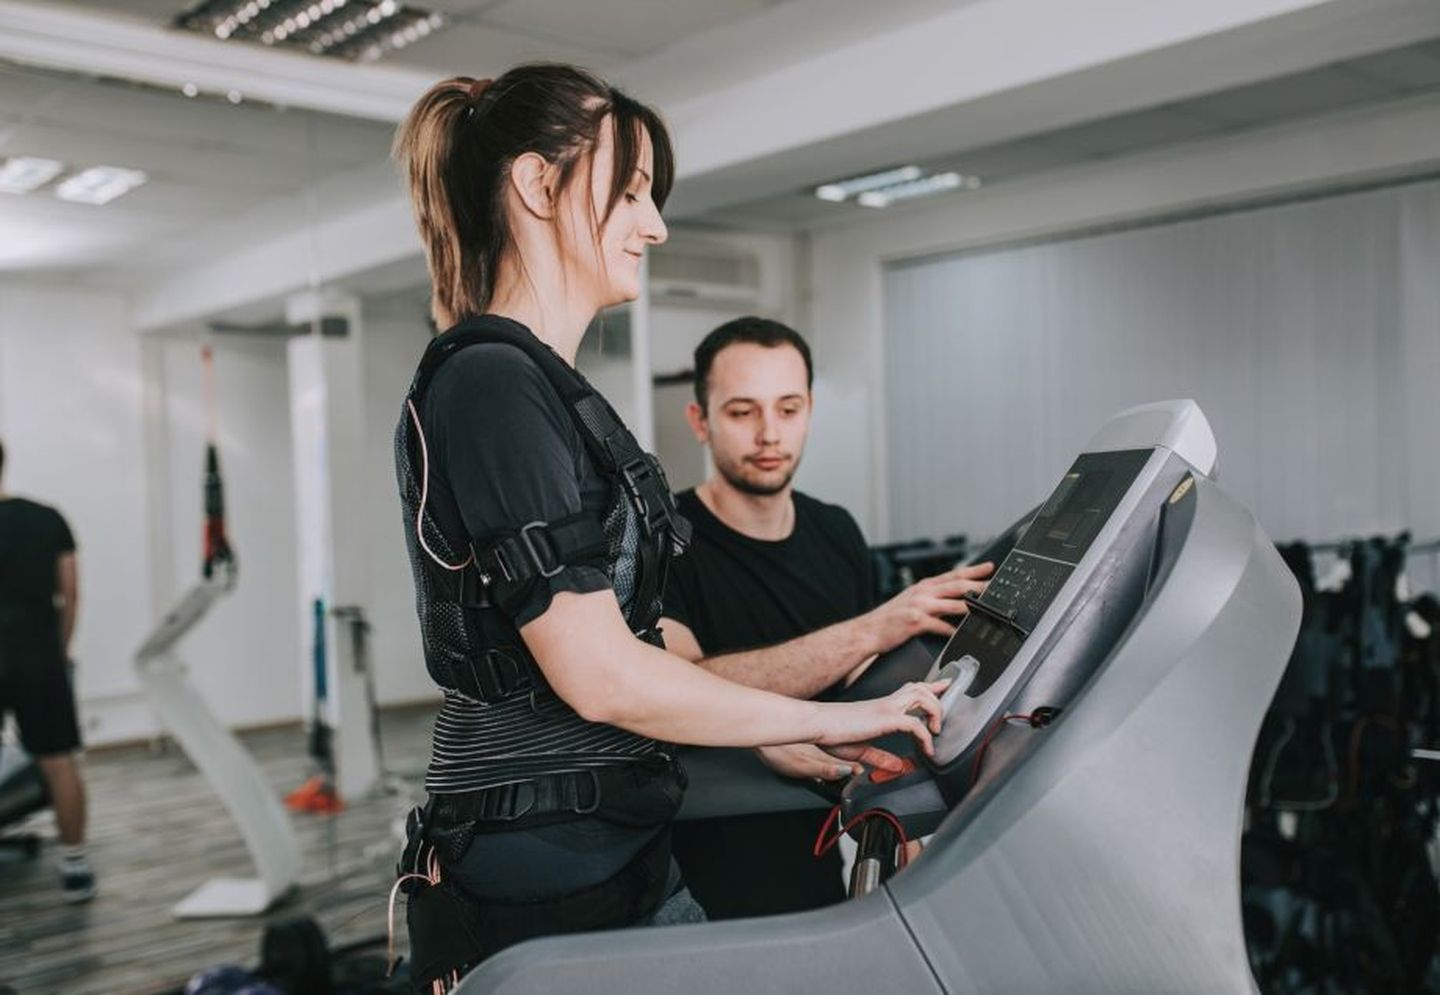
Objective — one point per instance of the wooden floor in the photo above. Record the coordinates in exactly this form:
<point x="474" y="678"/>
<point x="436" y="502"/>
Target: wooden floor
<point x="157" y="832"/>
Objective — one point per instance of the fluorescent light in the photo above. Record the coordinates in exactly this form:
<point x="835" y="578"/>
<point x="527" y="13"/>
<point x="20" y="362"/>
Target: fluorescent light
<point x="99" y="184"/>
<point x="939" y="183"/>
<point x="23" y="174"/>
<point x="844" y="189"/>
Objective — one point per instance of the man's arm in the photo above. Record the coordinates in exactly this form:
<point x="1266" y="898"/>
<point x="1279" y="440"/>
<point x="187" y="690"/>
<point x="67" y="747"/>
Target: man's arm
<point x="807" y="665"/>
<point x="67" y="597"/>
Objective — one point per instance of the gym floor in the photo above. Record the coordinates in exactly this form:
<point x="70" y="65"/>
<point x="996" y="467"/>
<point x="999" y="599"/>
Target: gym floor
<point x="157" y="832"/>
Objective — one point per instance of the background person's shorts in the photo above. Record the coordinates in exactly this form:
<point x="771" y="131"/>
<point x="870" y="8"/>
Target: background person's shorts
<point x="35" y="688"/>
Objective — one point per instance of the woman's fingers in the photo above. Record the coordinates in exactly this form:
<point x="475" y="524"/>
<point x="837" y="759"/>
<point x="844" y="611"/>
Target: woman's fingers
<point x="915" y="727"/>
<point x="923" y="701"/>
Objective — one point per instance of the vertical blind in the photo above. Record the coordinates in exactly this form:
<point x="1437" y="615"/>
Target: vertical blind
<point x="1308" y="332"/>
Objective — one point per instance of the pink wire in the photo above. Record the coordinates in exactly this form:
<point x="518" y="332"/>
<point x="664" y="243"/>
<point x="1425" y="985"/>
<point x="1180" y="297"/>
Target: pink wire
<point x="425" y="495"/>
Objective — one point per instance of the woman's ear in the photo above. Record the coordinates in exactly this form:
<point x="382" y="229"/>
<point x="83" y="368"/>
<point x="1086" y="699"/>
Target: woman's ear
<point x="534" y="182"/>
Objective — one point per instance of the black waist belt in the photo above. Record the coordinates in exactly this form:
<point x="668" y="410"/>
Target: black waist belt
<point x="639" y="792"/>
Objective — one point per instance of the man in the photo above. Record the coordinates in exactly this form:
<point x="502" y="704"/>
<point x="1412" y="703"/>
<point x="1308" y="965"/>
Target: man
<point x="776" y="591"/>
<point x="38" y="603"/>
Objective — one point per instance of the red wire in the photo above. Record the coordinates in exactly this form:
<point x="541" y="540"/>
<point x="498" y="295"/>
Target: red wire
<point x="1030" y="718"/>
<point x="824" y="846"/>
<point x="1037" y="719"/>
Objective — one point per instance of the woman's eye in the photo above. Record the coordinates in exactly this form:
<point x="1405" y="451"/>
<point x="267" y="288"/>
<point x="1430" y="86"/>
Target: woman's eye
<point x="632" y="198"/>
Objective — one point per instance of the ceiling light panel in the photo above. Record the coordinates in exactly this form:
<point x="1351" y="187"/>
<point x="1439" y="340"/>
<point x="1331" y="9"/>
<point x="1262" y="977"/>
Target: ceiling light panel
<point x="930" y="185"/>
<point x="99" y="184"/>
<point x="356" y="30"/>
<point x="842" y="190"/>
<point x="22" y="174"/>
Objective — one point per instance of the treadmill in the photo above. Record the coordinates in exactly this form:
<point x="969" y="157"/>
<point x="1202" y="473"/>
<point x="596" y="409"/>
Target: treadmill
<point x="1087" y="788"/>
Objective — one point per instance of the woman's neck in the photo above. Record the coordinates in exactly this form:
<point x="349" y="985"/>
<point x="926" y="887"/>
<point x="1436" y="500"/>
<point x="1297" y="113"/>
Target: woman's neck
<point x="537" y="298"/>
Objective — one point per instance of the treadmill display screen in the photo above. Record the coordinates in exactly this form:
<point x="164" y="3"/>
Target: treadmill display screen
<point x="1031" y="576"/>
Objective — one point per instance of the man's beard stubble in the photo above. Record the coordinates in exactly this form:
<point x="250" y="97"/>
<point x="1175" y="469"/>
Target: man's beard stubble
<point x="736" y="479"/>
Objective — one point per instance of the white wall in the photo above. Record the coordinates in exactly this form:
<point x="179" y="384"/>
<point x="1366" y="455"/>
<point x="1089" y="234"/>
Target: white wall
<point x="70" y="393"/>
<point x="846" y="461"/>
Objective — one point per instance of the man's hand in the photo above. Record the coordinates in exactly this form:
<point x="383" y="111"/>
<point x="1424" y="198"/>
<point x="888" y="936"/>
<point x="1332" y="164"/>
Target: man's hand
<point x="832" y="764"/>
<point x="924" y="607"/>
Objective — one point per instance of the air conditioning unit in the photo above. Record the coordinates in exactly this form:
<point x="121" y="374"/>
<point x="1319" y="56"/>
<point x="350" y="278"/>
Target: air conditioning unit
<point x="705" y="274"/>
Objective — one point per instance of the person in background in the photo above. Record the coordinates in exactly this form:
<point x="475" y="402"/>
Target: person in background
<point x="39" y="601"/>
<point x="776" y="591"/>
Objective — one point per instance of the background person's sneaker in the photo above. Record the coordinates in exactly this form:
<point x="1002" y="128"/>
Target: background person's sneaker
<point x="77" y="880"/>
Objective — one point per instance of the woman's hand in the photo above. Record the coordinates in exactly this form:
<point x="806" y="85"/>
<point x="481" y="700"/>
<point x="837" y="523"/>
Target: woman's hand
<point x="833" y="764"/>
<point x="913" y="709"/>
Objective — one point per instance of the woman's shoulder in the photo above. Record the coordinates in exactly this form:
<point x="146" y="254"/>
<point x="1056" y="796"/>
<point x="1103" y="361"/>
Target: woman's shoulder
<point x="493" y="373"/>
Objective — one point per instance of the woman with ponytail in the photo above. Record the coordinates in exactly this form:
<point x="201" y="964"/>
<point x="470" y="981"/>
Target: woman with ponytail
<point x="539" y="532"/>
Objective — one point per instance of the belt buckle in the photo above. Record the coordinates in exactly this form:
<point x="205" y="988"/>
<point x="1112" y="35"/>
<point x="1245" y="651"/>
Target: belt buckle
<point x="533" y="547"/>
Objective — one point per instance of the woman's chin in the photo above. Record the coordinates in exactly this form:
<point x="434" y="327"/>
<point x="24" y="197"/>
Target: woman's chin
<point x="621" y="294"/>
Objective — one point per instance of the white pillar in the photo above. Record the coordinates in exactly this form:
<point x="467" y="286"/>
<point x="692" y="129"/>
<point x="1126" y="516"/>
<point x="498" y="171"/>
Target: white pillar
<point x="333" y="549"/>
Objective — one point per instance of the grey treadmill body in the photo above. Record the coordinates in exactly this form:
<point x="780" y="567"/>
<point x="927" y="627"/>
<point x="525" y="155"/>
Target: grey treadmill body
<point x="1098" y="854"/>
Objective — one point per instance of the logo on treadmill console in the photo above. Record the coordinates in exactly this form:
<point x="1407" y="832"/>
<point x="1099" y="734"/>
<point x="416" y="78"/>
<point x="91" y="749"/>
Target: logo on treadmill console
<point x="1182" y="489"/>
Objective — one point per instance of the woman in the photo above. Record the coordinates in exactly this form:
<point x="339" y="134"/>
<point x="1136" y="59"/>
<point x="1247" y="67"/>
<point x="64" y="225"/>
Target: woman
<point x="539" y="531"/>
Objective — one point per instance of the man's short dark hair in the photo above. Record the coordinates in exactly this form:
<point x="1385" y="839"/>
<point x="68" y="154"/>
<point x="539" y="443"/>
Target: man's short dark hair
<point x="758" y="331"/>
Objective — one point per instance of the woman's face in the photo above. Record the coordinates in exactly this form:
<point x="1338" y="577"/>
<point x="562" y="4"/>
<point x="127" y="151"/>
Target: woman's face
<point x="608" y="264"/>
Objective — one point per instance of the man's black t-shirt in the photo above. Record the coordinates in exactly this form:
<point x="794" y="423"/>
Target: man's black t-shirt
<point x="32" y="538"/>
<point x="735" y="593"/>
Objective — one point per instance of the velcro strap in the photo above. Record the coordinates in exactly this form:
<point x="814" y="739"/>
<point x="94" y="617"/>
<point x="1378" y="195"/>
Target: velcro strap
<point x="543" y="549"/>
<point x="496" y="674"/>
<point x="572" y="793"/>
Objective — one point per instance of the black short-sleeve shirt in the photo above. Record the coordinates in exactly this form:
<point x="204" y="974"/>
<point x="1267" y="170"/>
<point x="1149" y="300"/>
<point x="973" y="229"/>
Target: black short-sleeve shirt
<point x="735" y="592"/>
<point x="33" y="536"/>
<point x="503" y="444"/>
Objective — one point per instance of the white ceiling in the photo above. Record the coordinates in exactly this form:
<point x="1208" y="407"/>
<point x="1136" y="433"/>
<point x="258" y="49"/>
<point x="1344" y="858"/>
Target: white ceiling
<point x="483" y="34"/>
<point x="1396" y="74"/>
<point x="211" y="163"/>
<point x="207" y="160"/>
<point x="226" y="179"/>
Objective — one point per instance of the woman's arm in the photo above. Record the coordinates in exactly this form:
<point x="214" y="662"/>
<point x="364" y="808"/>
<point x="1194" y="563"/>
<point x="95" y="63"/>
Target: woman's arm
<point x="601" y="670"/>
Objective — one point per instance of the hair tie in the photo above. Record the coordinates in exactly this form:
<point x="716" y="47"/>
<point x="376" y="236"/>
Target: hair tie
<point x="473" y="94"/>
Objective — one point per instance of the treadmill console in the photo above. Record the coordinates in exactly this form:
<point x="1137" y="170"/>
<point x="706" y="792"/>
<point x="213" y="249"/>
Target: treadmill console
<point x="1027" y="582"/>
<point x="1058" y="603"/>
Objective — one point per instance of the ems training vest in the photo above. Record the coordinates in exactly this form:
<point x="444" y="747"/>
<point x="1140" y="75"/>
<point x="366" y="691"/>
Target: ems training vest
<point x="502" y="723"/>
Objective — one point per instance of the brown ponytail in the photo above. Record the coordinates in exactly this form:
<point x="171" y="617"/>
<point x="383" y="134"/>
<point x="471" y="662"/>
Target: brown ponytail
<point x="457" y="144"/>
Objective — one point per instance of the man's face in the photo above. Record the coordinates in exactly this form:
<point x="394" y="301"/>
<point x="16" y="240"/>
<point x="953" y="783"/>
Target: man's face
<point x="757" y="417"/>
